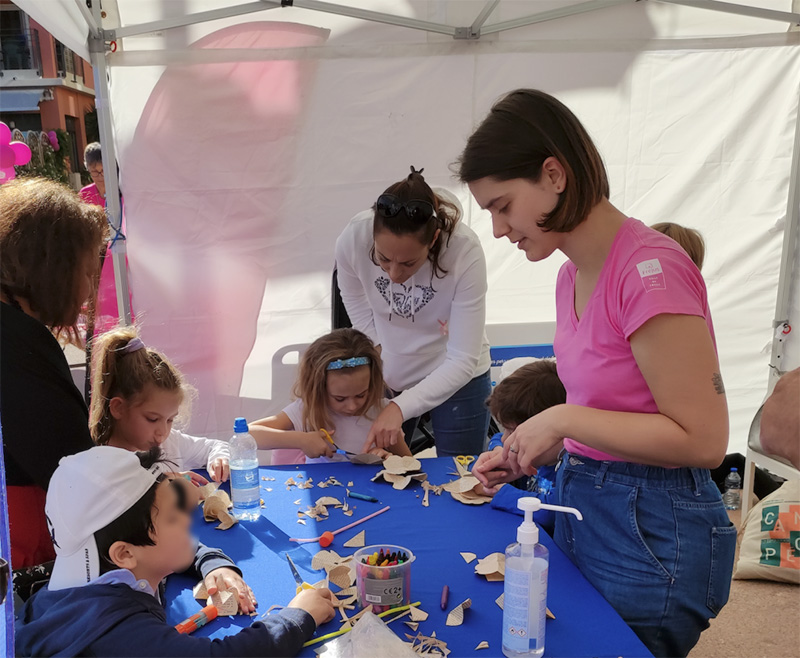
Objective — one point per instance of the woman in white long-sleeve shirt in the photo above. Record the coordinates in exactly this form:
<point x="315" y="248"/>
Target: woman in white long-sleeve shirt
<point x="413" y="278"/>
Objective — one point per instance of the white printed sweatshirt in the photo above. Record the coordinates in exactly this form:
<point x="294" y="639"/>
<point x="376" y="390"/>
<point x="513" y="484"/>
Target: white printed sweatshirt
<point x="191" y="452"/>
<point x="431" y="330"/>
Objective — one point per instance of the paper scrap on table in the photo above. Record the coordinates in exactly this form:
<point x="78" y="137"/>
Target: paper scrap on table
<point x="216" y="506"/>
<point x="417" y="614"/>
<point x="468" y="557"/>
<point x="358" y="541"/>
<point x="456" y="615"/>
<point x="413" y="625"/>
<point x="482" y="645"/>
<point x="493" y="567"/>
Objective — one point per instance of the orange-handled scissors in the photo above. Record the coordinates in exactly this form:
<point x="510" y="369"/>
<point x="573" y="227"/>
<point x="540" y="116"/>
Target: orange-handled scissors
<point x="301" y="584"/>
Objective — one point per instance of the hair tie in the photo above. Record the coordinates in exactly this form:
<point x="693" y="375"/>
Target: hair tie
<point x="352" y="362"/>
<point x="414" y="171"/>
<point x="134" y="344"/>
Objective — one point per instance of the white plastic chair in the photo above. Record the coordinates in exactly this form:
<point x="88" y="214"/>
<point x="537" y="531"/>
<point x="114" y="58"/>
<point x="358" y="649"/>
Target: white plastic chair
<point x="757" y="455"/>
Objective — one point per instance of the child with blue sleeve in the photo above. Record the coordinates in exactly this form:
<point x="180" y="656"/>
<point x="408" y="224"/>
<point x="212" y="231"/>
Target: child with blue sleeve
<point x="521" y="395"/>
<point x="119" y="530"/>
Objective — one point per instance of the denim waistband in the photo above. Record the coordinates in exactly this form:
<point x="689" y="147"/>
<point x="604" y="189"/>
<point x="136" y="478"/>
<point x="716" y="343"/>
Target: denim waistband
<point x="640" y="475"/>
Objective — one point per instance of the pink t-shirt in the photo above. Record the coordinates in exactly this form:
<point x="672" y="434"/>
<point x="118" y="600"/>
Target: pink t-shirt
<point x="646" y="274"/>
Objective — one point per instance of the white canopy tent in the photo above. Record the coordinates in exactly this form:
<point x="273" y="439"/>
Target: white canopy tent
<point x="247" y="135"/>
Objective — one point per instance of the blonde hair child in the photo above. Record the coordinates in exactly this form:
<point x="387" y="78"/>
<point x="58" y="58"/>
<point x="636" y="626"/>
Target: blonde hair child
<point x="339" y="389"/>
<point x="137" y="395"/>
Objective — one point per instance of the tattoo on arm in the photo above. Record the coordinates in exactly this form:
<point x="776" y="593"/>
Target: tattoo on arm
<point x="719" y="387"/>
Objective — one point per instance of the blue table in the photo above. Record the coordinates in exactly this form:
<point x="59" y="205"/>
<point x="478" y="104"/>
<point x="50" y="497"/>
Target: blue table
<point x="585" y="624"/>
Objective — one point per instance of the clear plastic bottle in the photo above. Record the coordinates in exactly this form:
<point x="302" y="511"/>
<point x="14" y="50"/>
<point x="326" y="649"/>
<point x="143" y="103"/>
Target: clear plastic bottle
<point x="525" y="587"/>
<point x="732" y="498"/>
<point x="245" y="491"/>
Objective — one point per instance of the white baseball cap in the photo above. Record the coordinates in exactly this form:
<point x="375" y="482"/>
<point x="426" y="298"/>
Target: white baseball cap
<point x="86" y="493"/>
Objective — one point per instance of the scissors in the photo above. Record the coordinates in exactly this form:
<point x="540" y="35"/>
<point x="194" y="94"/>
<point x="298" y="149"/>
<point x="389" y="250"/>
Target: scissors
<point x="465" y="460"/>
<point x="327" y="436"/>
<point x="301" y="584"/>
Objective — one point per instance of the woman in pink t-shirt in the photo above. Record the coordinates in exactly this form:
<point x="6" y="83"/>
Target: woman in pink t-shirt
<point x="646" y="415"/>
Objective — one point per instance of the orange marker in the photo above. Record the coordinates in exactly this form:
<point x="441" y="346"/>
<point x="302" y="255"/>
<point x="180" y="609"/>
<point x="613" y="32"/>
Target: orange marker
<point x="207" y="614"/>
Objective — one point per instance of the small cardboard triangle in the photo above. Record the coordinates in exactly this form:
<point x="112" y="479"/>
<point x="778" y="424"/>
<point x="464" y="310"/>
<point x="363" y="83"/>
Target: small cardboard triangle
<point x="226" y="602"/>
<point x="482" y="645"/>
<point x="358" y="541"/>
<point x="468" y="557"/>
<point x="456" y="615"/>
<point x="417" y="614"/>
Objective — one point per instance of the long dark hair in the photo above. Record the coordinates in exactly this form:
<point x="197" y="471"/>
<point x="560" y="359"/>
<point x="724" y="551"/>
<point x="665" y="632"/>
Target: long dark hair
<point x="522" y="130"/>
<point x="414" y="187"/>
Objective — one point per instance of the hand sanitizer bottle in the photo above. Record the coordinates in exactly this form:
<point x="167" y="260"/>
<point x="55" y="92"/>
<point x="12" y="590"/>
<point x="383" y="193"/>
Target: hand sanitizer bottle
<point x="525" y="588"/>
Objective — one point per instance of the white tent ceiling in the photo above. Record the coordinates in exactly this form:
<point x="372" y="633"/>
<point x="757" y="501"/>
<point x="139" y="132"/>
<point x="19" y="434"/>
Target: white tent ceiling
<point x="246" y="143"/>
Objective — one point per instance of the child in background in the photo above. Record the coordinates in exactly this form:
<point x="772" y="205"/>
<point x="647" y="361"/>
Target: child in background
<point x="119" y="530"/>
<point x="524" y="393"/>
<point x="688" y="238"/>
<point x="340" y="390"/>
<point x="137" y="396"/>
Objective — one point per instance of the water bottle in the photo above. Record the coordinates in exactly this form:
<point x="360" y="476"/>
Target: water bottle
<point x="732" y="498"/>
<point x="245" y="491"/>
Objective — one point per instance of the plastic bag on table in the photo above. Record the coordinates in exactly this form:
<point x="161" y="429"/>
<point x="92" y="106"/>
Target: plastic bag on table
<point x="369" y="637"/>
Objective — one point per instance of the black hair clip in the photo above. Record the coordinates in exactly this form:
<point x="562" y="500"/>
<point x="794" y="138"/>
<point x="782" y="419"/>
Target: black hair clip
<point x="414" y="171"/>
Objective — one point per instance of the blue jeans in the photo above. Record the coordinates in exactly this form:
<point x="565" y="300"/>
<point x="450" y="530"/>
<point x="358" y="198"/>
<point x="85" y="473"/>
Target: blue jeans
<point x="655" y="542"/>
<point x="461" y="423"/>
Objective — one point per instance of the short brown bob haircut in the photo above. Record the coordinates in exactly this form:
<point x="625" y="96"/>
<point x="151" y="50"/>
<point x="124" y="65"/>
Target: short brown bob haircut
<point x="526" y="392"/>
<point x="522" y="130"/>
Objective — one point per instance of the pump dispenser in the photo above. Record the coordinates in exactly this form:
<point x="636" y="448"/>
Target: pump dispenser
<point x="525" y="589"/>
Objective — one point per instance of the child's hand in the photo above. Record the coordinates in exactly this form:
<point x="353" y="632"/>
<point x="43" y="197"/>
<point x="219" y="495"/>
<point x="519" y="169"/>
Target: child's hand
<point x="226" y="578"/>
<point x="383" y="454"/>
<point x="316" y="602"/>
<point x="219" y="469"/>
<point x="191" y="485"/>
<point x="493" y="469"/>
<point x="315" y="446"/>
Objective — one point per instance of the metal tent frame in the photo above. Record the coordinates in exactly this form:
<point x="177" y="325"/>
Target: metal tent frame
<point x="100" y="40"/>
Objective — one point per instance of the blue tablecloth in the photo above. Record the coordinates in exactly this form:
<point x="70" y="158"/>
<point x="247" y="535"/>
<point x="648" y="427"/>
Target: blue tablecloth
<point x="585" y="624"/>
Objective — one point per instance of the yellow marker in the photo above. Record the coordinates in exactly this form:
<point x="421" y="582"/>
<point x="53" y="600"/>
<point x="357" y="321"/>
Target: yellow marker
<point x="330" y="636"/>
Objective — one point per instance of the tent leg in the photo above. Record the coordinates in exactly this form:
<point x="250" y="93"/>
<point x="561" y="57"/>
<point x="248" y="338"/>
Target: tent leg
<point x="118" y="245"/>
<point x="780" y="324"/>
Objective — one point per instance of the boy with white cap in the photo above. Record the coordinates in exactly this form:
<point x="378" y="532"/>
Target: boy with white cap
<point x="120" y="529"/>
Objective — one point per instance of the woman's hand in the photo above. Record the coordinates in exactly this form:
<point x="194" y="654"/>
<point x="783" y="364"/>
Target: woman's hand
<point x="314" y="445"/>
<point x="219" y="469"/>
<point x="536" y="441"/>
<point x="387" y="429"/>
<point x="225" y="578"/>
<point x="493" y="469"/>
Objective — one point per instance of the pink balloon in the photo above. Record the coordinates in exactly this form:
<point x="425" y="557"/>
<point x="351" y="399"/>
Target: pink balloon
<point x="7" y="156"/>
<point x="7" y="174"/>
<point x="53" y="140"/>
<point x="5" y="133"/>
<point x="22" y="152"/>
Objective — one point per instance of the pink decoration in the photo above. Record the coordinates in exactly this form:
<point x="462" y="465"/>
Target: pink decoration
<point x="22" y="152"/>
<point x="7" y="174"/>
<point x="53" y="140"/>
<point x="7" y="156"/>
<point x="5" y="133"/>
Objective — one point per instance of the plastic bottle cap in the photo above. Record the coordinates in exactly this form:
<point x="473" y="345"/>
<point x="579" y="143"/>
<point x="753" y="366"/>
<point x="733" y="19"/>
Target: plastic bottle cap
<point x="734" y="470"/>
<point x="240" y="426"/>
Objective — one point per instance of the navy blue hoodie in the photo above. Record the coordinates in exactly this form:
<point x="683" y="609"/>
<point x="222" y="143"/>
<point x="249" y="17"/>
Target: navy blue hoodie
<point x="115" y="620"/>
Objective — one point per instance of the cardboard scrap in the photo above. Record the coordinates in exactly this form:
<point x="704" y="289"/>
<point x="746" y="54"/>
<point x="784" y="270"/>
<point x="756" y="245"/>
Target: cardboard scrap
<point x="468" y="557"/>
<point x="417" y="614"/>
<point x="413" y="625"/>
<point x="226" y="602"/>
<point x="456" y="616"/>
<point x="330" y="482"/>
<point x="199" y="591"/>
<point x="399" y="481"/>
<point x="320" y="509"/>
<point x="465" y="490"/>
<point x="342" y="576"/>
<point x="216" y="506"/>
<point x="493" y="566"/>
<point x="482" y="645"/>
<point x="358" y="541"/>
<point x="428" y="645"/>
<point x="401" y="465"/>
<point x="207" y="489"/>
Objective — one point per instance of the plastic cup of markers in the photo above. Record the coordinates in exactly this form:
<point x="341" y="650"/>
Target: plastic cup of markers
<point x="383" y="587"/>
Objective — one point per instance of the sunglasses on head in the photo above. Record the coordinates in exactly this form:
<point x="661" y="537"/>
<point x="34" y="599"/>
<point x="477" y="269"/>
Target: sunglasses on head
<point x="389" y="206"/>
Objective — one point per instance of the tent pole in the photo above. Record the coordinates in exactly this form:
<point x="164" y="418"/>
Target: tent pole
<point x="742" y="10"/>
<point x="553" y="14"/>
<point x="790" y="235"/>
<point x="118" y="248"/>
